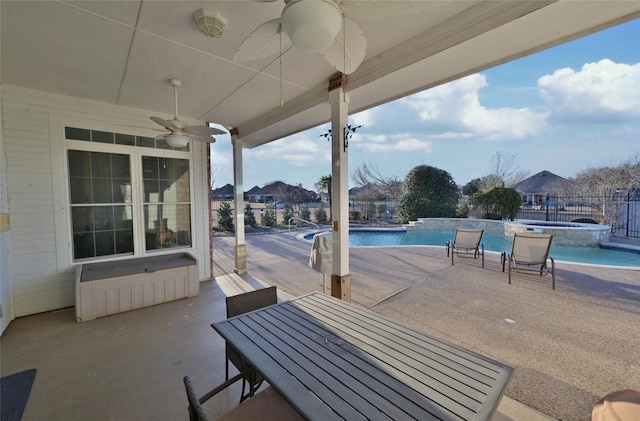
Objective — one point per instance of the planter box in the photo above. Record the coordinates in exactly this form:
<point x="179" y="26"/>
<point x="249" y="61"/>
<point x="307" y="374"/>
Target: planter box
<point x="114" y="287"/>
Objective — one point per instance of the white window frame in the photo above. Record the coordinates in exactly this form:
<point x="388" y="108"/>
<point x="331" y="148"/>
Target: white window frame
<point x="62" y="196"/>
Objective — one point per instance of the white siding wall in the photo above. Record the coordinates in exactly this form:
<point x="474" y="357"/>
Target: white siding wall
<point x="33" y="129"/>
<point x="6" y="273"/>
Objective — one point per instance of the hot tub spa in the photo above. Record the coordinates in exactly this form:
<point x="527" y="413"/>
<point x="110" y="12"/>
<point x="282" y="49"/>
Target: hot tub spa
<point x="565" y="234"/>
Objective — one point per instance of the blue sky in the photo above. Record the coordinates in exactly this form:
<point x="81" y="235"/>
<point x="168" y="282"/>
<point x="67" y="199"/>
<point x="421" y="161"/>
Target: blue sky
<point x="567" y="109"/>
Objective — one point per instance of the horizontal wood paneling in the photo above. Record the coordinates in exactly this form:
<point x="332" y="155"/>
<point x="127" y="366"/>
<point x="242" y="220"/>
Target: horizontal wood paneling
<point x="42" y="280"/>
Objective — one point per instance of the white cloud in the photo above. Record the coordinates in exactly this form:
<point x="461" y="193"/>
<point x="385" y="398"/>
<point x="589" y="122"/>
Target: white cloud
<point x="413" y="144"/>
<point x="456" y="105"/>
<point x="363" y="118"/>
<point x="298" y="150"/>
<point x="598" y="88"/>
<point x="402" y="142"/>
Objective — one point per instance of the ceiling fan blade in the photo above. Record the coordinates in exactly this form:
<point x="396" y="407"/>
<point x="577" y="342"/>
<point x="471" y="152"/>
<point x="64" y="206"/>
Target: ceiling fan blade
<point x="203" y="138"/>
<point x="160" y="136"/>
<point x="347" y="60"/>
<point x="263" y="42"/>
<point x="202" y="131"/>
<point x="165" y="123"/>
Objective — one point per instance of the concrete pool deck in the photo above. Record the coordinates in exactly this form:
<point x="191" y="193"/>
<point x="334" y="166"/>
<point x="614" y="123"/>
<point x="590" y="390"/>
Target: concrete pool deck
<point x="569" y="347"/>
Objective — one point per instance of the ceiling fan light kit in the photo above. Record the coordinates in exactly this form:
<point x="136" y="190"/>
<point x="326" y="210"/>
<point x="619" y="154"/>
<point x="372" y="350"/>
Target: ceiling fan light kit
<point x="210" y="23"/>
<point x="176" y="141"/>
<point x="312" y="25"/>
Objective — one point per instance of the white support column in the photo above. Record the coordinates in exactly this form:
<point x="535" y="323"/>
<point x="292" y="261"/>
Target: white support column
<point x="238" y="198"/>
<point x="340" y="279"/>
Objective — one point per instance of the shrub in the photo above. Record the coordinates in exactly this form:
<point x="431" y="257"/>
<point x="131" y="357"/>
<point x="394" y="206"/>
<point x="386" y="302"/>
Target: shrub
<point x="305" y="213"/>
<point x="249" y="217"/>
<point x="225" y="218"/>
<point x="321" y="214"/>
<point x="499" y="203"/>
<point x="462" y="211"/>
<point x="268" y="218"/>
<point x="428" y="192"/>
<point x="286" y="213"/>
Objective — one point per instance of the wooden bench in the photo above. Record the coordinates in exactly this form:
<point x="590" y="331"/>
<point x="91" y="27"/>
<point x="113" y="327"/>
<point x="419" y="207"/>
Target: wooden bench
<point x="113" y="287"/>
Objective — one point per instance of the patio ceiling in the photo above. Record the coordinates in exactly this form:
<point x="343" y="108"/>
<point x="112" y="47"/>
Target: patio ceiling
<point x="123" y="52"/>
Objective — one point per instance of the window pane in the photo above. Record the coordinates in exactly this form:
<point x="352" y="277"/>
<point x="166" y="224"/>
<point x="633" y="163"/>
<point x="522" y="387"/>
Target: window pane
<point x="125" y="139"/>
<point x="149" y="167"/>
<point x="120" y="166"/>
<point x="82" y="219"/>
<point x="145" y="142"/>
<point x="83" y="245"/>
<point x="100" y="164"/>
<point x="101" y="190"/>
<point x="79" y="164"/>
<point x="100" y="227"/>
<point x="102" y="137"/>
<point x="77" y="134"/>
<point x="80" y="190"/>
<point x="121" y="190"/>
<point x="167" y="226"/>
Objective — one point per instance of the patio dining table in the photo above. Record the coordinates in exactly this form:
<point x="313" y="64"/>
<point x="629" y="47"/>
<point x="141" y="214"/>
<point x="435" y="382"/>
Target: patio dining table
<point x="333" y="360"/>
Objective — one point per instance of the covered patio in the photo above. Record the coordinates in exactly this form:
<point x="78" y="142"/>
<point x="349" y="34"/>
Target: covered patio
<point x="569" y="347"/>
<point x="84" y="177"/>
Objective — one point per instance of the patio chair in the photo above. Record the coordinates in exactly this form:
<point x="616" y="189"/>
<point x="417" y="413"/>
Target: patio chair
<point x="466" y="242"/>
<point x="196" y="413"/>
<point x="240" y="304"/>
<point x="530" y="252"/>
<point x="268" y="405"/>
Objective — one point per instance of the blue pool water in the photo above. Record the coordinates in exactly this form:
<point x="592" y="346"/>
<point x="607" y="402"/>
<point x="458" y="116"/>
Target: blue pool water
<point x="597" y="256"/>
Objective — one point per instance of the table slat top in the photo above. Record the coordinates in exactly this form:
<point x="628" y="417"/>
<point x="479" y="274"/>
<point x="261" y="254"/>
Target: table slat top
<point x="334" y="360"/>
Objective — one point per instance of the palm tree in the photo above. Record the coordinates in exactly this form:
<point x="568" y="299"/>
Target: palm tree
<point x="324" y="185"/>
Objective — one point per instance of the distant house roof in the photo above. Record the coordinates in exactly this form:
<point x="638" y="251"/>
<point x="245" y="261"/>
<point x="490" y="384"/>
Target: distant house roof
<point x="253" y="190"/>
<point x="368" y="189"/>
<point x="224" y="192"/>
<point x="542" y="183"/>
<point x="282" y="191"/>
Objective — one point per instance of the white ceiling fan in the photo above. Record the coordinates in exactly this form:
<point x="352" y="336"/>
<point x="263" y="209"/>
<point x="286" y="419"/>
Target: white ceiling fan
<point x="323" y="26"/>
<point x="179" y="131"/>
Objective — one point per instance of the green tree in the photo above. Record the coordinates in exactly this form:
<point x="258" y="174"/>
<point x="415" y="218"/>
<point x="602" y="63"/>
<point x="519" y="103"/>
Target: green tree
<point x="321" y="214"/>
<point x="500" y="202"/>
<point x="268" y="217"/>
<point x="249" y="217"/>
<point x="287" y="213"/>
<point x="305" y="213"/>
<point x="324" y="185"/>
<point x="225" y="217"/>
<point x="472" y="187"/>
<point x="428" y="192"/>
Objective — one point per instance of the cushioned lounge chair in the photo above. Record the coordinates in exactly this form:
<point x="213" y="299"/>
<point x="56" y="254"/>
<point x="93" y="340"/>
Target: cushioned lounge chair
<point x="240" y="304"/>
<point x="466" y="242"/>
<point x="530" y="252"/>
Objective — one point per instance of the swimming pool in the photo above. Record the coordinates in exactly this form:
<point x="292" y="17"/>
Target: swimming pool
<point x="499" y="243"/>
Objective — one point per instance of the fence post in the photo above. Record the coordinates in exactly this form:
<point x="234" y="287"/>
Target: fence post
<point x="628" y="211"/>
<point x="546" y="206"/>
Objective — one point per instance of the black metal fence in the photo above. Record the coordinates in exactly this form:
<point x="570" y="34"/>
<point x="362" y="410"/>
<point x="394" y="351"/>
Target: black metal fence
<point x="622" y="213"/>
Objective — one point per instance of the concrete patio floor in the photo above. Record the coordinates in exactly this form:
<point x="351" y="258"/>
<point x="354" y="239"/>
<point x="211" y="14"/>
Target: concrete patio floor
<point x="569" y="347"/>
